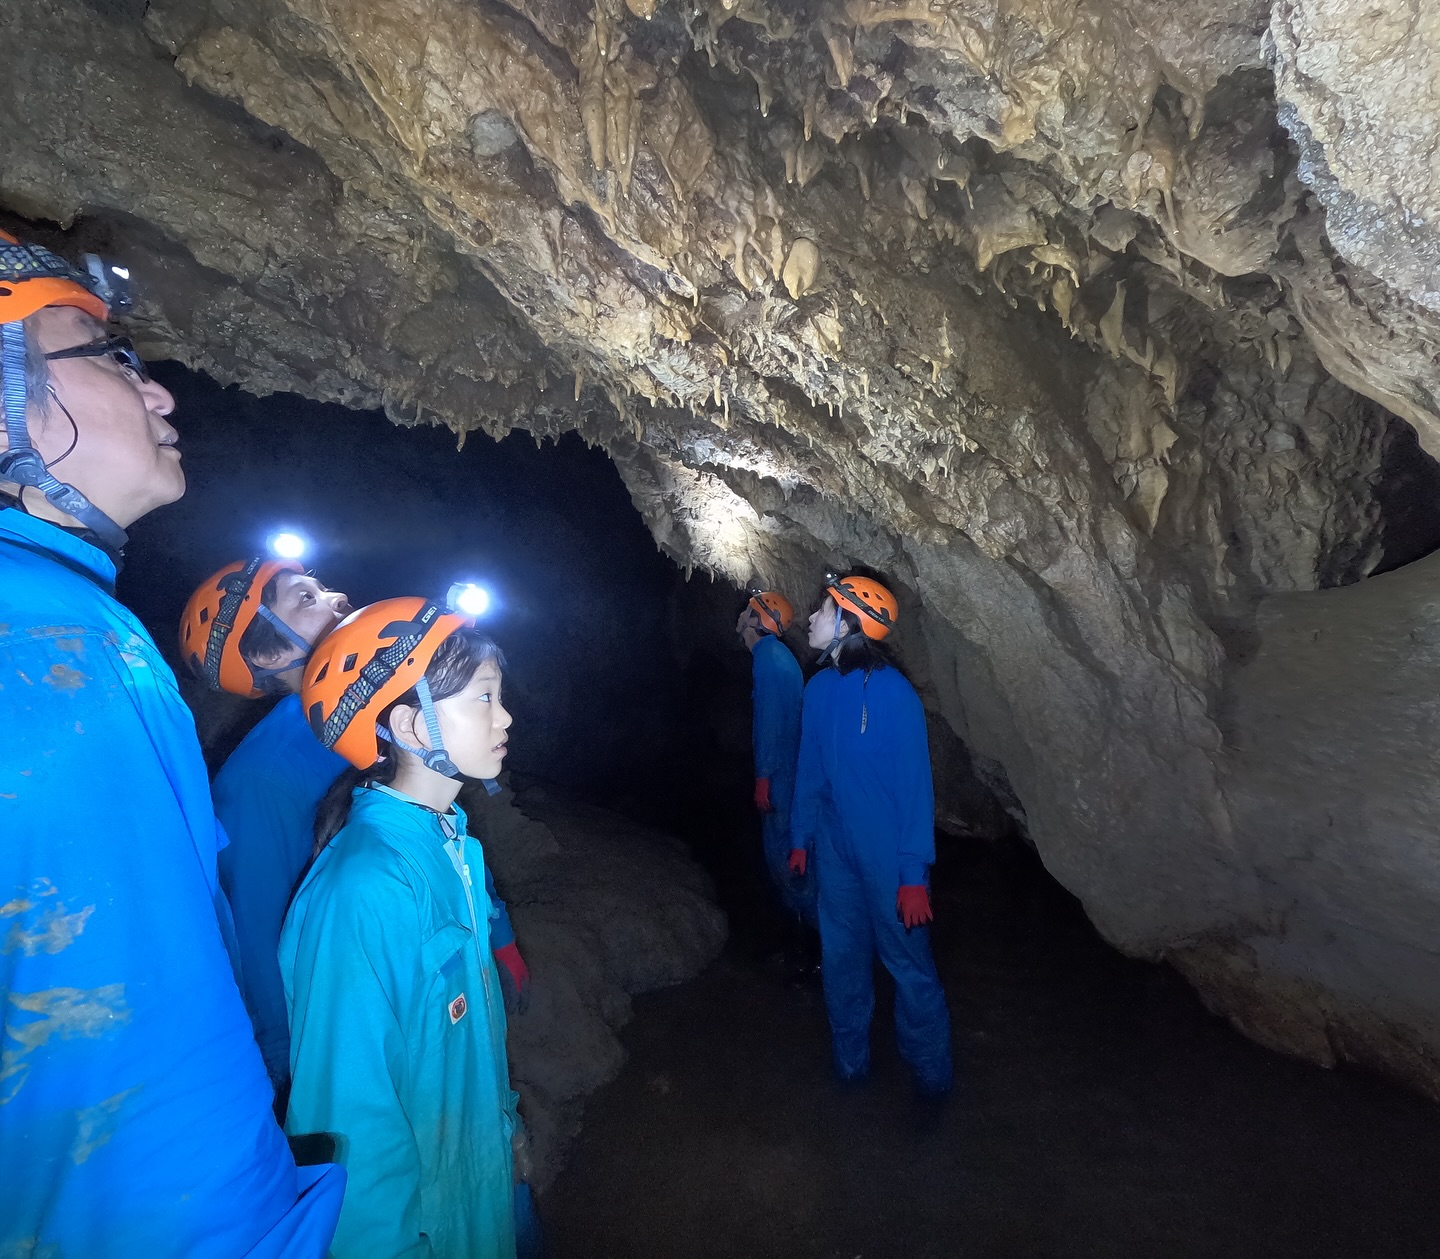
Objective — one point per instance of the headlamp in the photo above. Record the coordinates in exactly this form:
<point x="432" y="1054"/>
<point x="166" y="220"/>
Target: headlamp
<point x="111" y="283"/>
<point x="468" y="599"/>
<point x="287" y="545"/>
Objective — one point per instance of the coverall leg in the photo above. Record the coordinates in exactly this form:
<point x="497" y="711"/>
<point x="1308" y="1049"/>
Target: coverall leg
<point x="922" y="1021"/>
<point x="847" y="950"/>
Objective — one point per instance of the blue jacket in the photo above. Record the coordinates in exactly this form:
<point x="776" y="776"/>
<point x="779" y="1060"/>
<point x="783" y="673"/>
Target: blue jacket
<point x="266" y="795"/>
<point x="777" y="694"/>
<point x="397" y="1034"/>
<point x="135" y="1114"/>
<point x="865" y="764"/>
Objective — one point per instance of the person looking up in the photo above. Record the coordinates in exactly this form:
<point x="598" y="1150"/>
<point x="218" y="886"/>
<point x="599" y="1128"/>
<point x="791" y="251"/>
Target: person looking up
<point x="397" y="1025"/>
<point x="249" y="629"/>
<point x="777" y="692"/>
<point x="865" y="807"/>
<point x="135" y="1114"/>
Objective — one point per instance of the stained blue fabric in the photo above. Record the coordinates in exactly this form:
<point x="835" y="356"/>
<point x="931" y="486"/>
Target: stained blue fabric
<point x="397" y="1035"/>
<point x="777" y="694"/>
<point x="266" y="795"/>
<point x="865" y="807"/>
<point x="135" y="1114"/>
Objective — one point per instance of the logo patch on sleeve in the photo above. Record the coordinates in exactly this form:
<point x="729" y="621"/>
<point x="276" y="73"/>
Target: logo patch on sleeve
<point x="458" y="1008"/>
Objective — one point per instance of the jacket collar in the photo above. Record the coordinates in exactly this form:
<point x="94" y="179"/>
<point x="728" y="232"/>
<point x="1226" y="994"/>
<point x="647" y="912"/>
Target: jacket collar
<point x="64" y="546"/>
<point x="415" y="818"/>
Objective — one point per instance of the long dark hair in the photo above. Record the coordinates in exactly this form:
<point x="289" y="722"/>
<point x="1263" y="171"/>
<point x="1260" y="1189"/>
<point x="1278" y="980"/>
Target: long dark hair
<point x="455" y="662"/>
<point x="858" y="652"/>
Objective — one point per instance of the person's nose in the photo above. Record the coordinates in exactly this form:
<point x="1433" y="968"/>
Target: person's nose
<point x="502" y="716"/>
<point x="339" y="600"/>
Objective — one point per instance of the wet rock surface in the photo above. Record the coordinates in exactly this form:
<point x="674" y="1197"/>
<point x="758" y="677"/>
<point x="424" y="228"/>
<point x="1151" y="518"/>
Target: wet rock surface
<point x="1083" y="320"/>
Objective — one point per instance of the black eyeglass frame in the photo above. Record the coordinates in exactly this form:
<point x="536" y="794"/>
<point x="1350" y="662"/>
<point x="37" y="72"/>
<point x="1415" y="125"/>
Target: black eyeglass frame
<point x="121" y="349"/>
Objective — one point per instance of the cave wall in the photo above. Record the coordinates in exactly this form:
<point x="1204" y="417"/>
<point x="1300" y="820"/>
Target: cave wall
<point x="1036" y="306"/>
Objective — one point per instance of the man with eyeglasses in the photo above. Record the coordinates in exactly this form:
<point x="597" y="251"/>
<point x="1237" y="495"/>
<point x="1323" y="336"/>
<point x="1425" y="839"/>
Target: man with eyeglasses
<point x="134" y="1107"/>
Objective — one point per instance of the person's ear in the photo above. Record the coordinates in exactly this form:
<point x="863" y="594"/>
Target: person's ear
<point x="406" y="725"/>
<point x="842" y="628"/>
<point x="275" y="659"/>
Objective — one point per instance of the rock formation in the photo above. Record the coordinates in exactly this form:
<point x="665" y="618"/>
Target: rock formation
<point x="1085" y="319"/>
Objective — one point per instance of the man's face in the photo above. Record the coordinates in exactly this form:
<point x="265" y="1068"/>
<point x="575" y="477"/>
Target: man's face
<point x="307" y="607"/>
<point x="125" y="460"/>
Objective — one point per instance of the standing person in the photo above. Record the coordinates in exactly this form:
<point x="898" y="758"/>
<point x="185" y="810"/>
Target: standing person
<point x="397" y="1028"/>
<point x="778" y="690"/>
<point x="865" y="805"/>
<point x="249" y="629"/>
<point x="134" y="1111"/>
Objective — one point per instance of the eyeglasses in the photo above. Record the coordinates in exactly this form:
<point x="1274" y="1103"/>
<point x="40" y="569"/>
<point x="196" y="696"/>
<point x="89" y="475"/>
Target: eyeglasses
<point x="121" y="349"/>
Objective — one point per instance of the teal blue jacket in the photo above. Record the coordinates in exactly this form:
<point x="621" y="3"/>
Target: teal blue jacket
<point x="397" y="1034"/>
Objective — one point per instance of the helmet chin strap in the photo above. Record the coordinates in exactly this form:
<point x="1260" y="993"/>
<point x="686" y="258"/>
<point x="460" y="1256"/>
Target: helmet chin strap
<point x="23" y="464"/>
<point x="434" y="757"/>
<point x="284" y="631"/>
<point x="831" y="654"/>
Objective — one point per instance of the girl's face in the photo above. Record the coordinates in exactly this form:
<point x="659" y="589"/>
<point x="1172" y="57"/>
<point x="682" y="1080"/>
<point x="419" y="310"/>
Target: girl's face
<point x="822" y="625"/>
<point x="473" y="723"/>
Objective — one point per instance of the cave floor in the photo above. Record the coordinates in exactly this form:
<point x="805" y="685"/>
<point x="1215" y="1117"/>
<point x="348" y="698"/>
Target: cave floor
<point x="1100" y="1112"/>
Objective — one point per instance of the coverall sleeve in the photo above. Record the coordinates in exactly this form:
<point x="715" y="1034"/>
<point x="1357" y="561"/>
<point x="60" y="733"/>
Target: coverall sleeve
<point x="355" y="978"/>
<point x="502" y="932"/>
<point x="913" y="788"/>
<point x="768" y="727"/>
<point x="810" y="787"/>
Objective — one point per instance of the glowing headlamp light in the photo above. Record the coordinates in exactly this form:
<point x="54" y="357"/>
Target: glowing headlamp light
<point x="468" y="599"/>
<point x="287" y="545"/>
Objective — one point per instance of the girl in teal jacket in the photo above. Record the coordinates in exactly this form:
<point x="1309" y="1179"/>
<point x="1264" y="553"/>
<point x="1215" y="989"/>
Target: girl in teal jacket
<point x="397" y="1020"/>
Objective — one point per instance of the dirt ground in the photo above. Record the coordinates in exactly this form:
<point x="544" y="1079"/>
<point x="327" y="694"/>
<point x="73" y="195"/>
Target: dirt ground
<point x="1100" y="1112"/>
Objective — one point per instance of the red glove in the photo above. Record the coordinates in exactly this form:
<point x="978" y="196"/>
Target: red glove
<point x="514" y="977"/>
<point x="913" y="905"/>
<point x="762" y="796"/>
<point x="799" y="858"/>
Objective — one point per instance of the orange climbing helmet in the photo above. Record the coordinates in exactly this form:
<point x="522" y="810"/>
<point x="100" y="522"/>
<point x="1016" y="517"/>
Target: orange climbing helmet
<point x="876" y="607"/>
<point x="217" y="616"/>
<point x="32" y="277"/>
<point x="774" y="610"/>
<point x="367" y="662"/>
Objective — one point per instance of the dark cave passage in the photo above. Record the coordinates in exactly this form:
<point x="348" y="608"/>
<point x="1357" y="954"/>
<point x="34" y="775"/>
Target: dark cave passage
<point x="628" y="686"/>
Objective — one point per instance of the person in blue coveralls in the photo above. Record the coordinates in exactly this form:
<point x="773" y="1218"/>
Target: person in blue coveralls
<point x="135" y="1114"/>
<point x="777" y="691"/>
<point x="249" y="629"/>
<point x="397" y="1024"/>
<point x="864" y="813"/>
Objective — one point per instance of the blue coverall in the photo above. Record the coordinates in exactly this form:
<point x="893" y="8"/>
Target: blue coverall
<point x="266" y="794"/>
<point x="865" y="804"/>
<point x="135" y="1114"/>
<point x="397" y="1034"/>
<point x="778" y="690"/>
